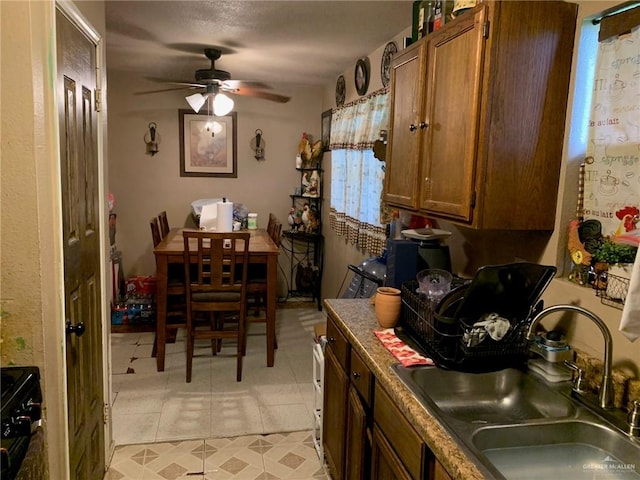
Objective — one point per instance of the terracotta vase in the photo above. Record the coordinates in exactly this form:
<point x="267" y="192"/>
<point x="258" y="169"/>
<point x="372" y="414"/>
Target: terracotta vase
<point x="387" y="306"/>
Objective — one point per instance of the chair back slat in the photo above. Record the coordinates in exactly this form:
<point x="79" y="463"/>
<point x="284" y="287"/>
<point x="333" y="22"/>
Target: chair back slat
<point x="219" y="261"/>
<point x="155" y="232"/>
<point x="164" y="223"/>
<point x="276" y="234"/>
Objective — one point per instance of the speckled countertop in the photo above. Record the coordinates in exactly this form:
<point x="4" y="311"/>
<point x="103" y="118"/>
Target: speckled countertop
<point x="356" y="319"/>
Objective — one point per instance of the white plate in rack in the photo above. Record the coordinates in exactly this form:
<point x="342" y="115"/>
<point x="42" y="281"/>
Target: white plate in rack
<point x="426" y="233"/>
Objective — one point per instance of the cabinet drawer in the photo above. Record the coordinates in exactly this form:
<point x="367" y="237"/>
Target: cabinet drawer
<point x="361" y="377"/>
<point x="401" y="435"/>
<point x="338" y="344"/>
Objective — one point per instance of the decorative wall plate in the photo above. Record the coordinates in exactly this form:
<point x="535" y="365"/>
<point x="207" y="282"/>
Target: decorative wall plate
<point x="385" y="62"/>
<point x="361" y="76"/>
<point x="341" y="88"/>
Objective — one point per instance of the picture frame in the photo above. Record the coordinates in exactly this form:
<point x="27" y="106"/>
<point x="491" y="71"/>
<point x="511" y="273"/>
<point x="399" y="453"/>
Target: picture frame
<point x="361" y="76"/>
<point x="207" y="151"/>
<point x="325" y="131"/>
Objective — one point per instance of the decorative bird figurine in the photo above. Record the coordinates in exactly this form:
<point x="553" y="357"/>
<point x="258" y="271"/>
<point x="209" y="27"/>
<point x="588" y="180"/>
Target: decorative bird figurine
<point x="291" y="219"/>
<point x="629" y="217"/>
<point x="579" y="253"/>
<point x="304" y="149"/>
<point x="316" y="151"/>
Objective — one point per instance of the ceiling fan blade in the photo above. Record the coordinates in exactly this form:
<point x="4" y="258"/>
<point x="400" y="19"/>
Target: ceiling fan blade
<point x="249" y="92"/>
<point x="234" y="84"/>
<point x="185" y="87"/>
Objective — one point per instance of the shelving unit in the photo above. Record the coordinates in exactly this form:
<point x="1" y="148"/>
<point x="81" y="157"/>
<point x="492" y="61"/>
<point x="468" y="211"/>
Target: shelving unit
<point x="304" y="252"/>
<point x="303" y="243"/>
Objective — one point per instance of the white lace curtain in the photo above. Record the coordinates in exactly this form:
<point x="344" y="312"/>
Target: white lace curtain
<point x="612" y="164"/>
<point x="356" y="175"/>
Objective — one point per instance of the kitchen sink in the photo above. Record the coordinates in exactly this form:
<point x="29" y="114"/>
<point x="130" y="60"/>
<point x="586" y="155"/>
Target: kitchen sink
<point x="515" y="425"/>
<point x="567" y="450"/>
<point x="495" y="397"/>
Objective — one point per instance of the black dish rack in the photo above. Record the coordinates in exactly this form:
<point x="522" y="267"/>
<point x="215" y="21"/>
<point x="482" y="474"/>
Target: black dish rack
<point x="448" y="336"/>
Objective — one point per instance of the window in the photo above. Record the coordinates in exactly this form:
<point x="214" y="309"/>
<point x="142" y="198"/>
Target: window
<point x="356" y="175"/>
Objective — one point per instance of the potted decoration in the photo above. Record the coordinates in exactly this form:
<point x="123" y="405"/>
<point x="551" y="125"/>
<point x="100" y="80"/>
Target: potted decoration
<point x="617" y="259"/>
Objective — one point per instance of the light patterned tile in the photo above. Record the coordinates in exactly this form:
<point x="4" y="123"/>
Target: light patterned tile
<point x="135" y="428"/>
<point x="236" y="463"/>
<point x="235" y="415"/>
<point x="209" y="406"/>
<point x="277" y="394"/>
<point x="286" y="418"/>
<point x="183" y="423"/>
<point x="173" y="460"/>
<point x="292" y="461"/>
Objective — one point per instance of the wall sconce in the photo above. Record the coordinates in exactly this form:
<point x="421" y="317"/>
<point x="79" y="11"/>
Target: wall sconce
<point x="152" y="139"/>
<point x="257" y="145"/>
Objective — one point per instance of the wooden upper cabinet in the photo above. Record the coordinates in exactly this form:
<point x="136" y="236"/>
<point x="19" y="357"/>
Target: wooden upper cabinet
<point x="402" y="174"/>
<point x="453" y="101"/>
<point x="490" y="92"/>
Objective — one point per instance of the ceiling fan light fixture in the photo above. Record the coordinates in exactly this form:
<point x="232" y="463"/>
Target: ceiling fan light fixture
<point x="196" y="101"/>
<point x="222" y="105"/>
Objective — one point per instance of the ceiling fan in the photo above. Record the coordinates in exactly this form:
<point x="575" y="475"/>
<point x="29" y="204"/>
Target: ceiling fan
<point x="215" y="84"/>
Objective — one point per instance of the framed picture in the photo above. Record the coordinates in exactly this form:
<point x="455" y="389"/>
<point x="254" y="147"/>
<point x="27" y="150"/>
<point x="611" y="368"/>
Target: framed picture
<point x="326" y="130"/>
<point x="361" y="76"/>
<point x="207" y="145"/>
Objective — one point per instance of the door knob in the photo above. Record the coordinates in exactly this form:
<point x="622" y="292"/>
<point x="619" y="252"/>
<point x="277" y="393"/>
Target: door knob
<point x="78" y="328"/>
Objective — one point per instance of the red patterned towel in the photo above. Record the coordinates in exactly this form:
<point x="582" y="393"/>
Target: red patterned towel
<point x="406" y="355"/>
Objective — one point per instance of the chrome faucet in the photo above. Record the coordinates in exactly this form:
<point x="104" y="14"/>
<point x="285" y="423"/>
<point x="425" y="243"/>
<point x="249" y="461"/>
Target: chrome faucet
<point x="606" y="394"/>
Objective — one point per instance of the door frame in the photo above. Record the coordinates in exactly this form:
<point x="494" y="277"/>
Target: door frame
<point x="71" y="12"/>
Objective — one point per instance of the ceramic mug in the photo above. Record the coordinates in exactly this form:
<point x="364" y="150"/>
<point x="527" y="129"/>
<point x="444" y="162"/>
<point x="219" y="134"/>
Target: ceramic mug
<point x="388" y="303"/>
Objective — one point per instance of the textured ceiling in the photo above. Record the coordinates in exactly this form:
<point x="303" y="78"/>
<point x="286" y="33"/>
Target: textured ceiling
<point x="299" y="42"/>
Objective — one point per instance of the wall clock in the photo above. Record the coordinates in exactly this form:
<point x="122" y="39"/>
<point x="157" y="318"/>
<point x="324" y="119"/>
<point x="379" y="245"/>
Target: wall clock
<point x="385" y="63"/>
<point x="361" y="76"/>
<point x="340" y="91"/>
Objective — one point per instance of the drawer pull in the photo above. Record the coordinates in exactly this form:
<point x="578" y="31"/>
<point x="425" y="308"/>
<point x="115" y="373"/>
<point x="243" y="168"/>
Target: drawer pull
<point x="356" y="375"/>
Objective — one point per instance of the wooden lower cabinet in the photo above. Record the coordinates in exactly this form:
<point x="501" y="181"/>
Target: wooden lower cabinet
<point x="334" y="414"/>
<point x="365" y="435"/>
<point x="384" y="461"/>
<point x="358" y="444"/>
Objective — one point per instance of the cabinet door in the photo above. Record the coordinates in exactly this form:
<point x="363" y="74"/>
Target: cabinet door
<point x="454" y="80"/>
<point x="402" y="174"/>
<point x="358" y="444"/>
<point x="334" y="414"/>
<point x="385" y="464"/>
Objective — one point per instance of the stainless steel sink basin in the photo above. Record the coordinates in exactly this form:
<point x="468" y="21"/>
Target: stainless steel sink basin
<point x="567" y="450"/>
<point x="514" y="425"/>
<point x="496" y="397"/>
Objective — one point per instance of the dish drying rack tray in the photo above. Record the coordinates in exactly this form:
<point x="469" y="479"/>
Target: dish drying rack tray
<point x="453" y="343"/>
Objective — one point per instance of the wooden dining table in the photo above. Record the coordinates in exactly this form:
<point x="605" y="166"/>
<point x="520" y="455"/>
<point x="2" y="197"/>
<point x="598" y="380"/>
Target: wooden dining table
<point x="262" y="250"/>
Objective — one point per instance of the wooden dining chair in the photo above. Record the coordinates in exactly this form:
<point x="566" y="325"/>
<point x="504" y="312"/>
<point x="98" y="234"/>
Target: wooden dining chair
<point x="176" y="314"/>
<point x="164" y="223"/>
<point x="271" y="224"/>
<point x="155" y="232"/>
<point x="216" y="285"/>
<point x="257" y="286"/>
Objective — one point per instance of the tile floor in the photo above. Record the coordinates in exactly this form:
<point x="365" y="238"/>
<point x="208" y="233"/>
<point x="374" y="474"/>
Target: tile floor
<point x="215" y="427"/>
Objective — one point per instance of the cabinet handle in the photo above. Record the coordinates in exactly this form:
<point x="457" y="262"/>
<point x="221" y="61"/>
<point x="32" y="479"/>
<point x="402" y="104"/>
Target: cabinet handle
<point x="423" y="125"/>
<point x="412" y="128"/>
<point x="332" y="339"/>
<point x="356" y="375"/>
